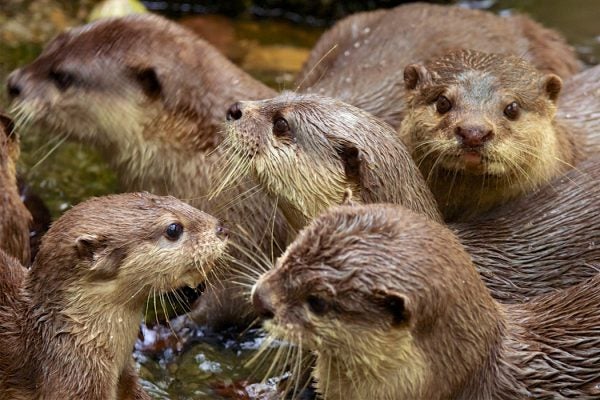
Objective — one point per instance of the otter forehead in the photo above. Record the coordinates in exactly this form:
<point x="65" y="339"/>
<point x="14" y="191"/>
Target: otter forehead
<point x="482" y="71"/>
<point x="374" y="242"/>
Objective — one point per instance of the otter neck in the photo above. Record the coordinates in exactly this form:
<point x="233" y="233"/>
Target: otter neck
<point x="392" y="375"/>
<point x="89" y="316"/>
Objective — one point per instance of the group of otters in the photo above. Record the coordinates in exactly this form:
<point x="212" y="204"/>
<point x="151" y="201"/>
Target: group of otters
<point x="439" y="209"/>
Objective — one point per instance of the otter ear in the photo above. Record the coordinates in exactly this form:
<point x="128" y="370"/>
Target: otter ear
<point x="396" y="305"/>
<point x="415" y="74"/>
<point x="148" y="81"/>
<point x="552" y="85"/>
<point x="104" y="263"/>
<point x="356" y="167"/>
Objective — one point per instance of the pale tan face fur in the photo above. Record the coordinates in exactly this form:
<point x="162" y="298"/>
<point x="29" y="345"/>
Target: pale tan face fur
<point x="481" y="128"/>
<point x="307" y="150"/>
<point x="385" y="299"/>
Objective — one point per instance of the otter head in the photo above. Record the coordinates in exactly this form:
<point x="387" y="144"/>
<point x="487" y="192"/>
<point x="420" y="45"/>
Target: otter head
<point x="307" y="151"/>
<point x="383" y="295"/>
<point x="481" y="114"/>
<point x="120" y="249"/>
<point x="127" y="85"/>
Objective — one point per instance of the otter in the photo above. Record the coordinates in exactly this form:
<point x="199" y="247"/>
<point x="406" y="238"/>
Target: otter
<point x="360" y="59"/>
<point x="156" y="118"/>
<point x="14" y="216"/>
<point x="307" y="150"/>
<point x="482" y="129"/>
<point x="579" y="106"/>
<point x="68" y="327"/>
<point x="392" y="307"/>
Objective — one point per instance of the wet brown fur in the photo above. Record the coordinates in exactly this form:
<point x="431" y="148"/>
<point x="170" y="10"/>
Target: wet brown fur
<point x="331" y="147"/>
<point x="579" y="106"/>
<point x="360" y="59"/>
<point x="403" y="314"/>
<point x="14" y="217"/>
<point x="68" y="327"/>
<point x="545" y="240"/>
<point x="157" y="118"/>
<point x="521" y="154"/>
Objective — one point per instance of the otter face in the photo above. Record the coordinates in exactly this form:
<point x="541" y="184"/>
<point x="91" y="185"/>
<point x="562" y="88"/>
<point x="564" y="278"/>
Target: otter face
<point x="307" y="150"/>
<point x="110" y="84"/>
<point x="126" y="247"/>
<point x="286" y="142"/>
<point x="480" y="114"/>
<point x="370" y="289"/>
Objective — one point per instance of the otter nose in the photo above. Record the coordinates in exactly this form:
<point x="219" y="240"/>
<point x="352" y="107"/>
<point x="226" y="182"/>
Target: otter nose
<point x="13" y="86"/>
<point x="473" y="136"/>
<point x="262" y="307"/>
<point x="222" y="232"/>
<point x="234" y="112"/>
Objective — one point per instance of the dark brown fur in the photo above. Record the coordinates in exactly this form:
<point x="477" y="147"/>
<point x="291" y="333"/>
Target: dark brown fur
<point x="14" y="217"/>
<point x="68" y="325"/>
<point x="157" y="119"/>
<point x="393" y="308"/>
<point x="468" y="174"/>
<point x="360" y="59"/>
<point x="545" y="240"/>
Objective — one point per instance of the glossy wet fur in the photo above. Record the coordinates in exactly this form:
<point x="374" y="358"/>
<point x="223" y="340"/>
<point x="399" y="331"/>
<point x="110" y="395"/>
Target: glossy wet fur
<point x="70" y="330"/>
<point x="307" y="150"/>
<point x="482" y="129"/>
<point x="156" y="118"/>
<point x="527" y="247"/>
<point x="544" y="241"/>
<point x="14" y="216"/>
<point x="402" y="313"/>
<point x="360" y="59"/>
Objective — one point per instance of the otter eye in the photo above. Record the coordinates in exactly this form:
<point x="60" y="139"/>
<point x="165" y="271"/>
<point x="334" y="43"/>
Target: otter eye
<point x="281" y="127"/>
<point x="512" y="111"/>
<point x="443" y="105"/>
<point x="62" y="80"/>
<point x="174" y="231"/>
<point x="317" y="305"/>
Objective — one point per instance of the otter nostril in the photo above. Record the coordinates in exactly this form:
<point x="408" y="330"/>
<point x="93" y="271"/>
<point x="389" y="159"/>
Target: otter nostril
<point x="234" y="112"/>
<point x="261" y="307"/>
<point x="222" y="232"/>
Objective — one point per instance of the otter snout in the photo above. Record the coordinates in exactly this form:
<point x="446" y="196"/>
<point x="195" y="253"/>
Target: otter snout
<point x="260" y="301"/>
<point x="234" y="112"/>
<point x="473" y="136"/>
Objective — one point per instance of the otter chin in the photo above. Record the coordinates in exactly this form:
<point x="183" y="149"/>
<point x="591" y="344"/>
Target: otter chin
<point x="68" y="329"/>
<point x="392" y="307"/>
<point x="482" y="129"/>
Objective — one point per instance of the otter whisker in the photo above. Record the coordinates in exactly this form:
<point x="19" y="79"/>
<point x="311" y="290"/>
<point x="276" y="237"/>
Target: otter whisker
<point x="317" y="64"/>
<point x="52" y="150"/>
